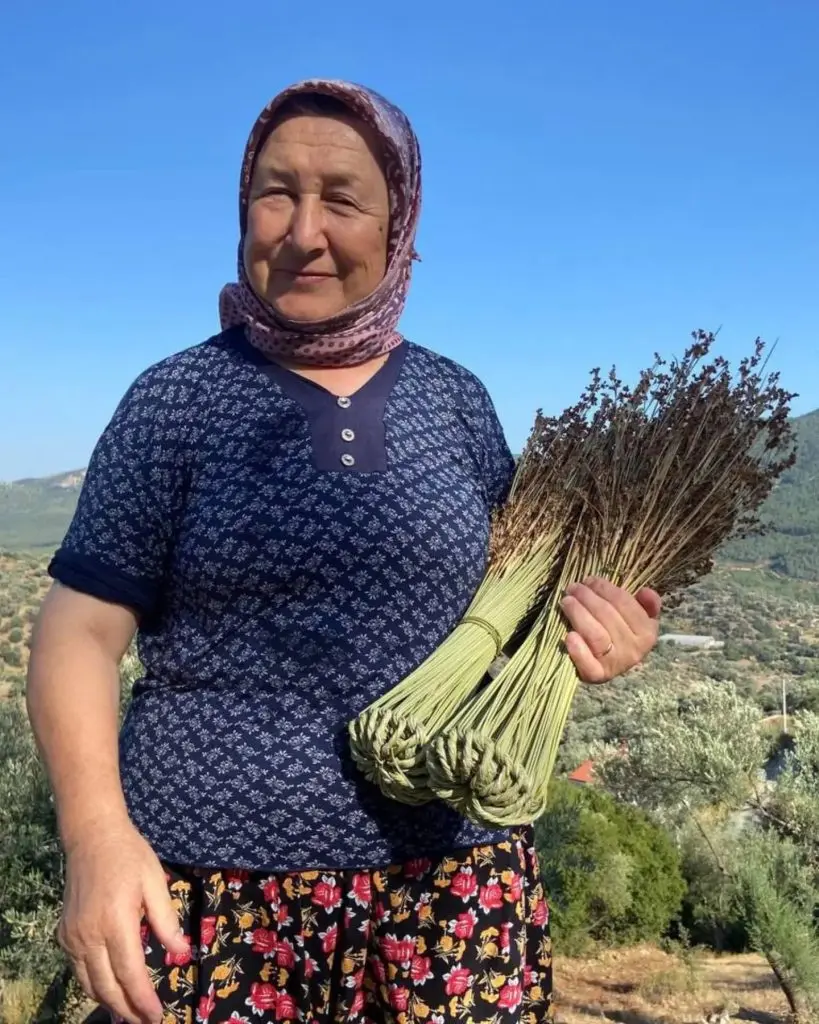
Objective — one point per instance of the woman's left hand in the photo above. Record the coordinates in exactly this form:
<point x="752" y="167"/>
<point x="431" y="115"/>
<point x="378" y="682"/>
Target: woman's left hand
<point x="611" y="631"/>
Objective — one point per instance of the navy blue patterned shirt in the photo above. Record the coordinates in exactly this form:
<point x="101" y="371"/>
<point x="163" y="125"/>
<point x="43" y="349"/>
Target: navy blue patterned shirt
<point x="291" y="556"/>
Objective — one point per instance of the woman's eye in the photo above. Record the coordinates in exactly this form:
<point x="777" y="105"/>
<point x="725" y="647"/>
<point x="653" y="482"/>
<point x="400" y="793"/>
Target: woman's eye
<point x="340" y="200"/>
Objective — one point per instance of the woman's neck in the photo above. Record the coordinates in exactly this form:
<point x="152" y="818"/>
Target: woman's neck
<point x="339" y="380"/>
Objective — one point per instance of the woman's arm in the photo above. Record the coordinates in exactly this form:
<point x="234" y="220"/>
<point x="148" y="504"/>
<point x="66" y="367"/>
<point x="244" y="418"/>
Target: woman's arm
<point x="73" y="703"/>
<point x="113" y="878"/>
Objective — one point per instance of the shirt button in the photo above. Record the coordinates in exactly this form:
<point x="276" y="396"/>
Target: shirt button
<point x="347" y="434"/>
<point x="348" y="460"/>
<point x="344" y="402"/>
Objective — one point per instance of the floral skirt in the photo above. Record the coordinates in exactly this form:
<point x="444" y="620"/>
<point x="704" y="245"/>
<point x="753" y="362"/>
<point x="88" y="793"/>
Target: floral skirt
<point x="466" y="939"/>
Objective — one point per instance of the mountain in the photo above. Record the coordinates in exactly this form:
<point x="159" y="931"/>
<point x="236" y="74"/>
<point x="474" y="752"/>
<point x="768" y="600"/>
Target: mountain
<point x="791" y="545"/>
<point x="34" y="514"/>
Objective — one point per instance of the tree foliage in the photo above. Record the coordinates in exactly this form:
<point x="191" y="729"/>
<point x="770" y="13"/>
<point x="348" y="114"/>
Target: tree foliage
<point x="702" y="762"/>
<point x="612" y="875"/>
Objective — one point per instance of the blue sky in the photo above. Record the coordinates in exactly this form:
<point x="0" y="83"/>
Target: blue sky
<point x="600" y="178"/>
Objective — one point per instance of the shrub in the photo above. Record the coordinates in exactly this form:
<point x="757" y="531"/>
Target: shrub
<point x="31" y="874"/>
<point x="11" y="656"/>
<point x="612" y="875"/>
<point x="777" y="903"/>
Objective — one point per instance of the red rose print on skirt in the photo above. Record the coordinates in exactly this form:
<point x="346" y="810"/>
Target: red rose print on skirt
<point x="510" y="996"/>
<point x="421" y="969"/>
<point x="207" y="1004"/>
<point x="272" y="892"/>
<point x="514" y="887"/>
<point x="361" y="889"/>
<point x="286" y="1008"/>
<point x="180" y="959"/>
<point x="463" y="926"/>
<point x="464" y="884"/>
<point x="285" y="954"/>
<point x="264" y="941"/>
<point x="329" y="939"/>
<point x="399" y="998"/>
<point x="458" y="980"/>
<point x="207" y="932"/>
<point x="263" y="997"/>
<point x="327" y="894"/>
<point x="491" y="896"/>
<point x="416" y="869"/>
<point x="397" y="951"/>
<point x="540" y="913"/>
<point x="236" y="879"/>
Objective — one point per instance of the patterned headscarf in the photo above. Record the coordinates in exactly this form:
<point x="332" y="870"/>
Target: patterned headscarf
<point x="367" y="328"/>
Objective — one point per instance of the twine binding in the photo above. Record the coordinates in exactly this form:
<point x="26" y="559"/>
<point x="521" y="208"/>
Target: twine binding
<point x="489" y="628"/>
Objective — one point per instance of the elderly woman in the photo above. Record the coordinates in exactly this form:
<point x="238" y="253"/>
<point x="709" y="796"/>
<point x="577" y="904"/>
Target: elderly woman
<point x="291" y="516"/>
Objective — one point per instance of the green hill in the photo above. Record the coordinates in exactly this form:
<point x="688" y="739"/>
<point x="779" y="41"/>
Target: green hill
<point x="791" y="545"/>
<point x="34" y="514"/>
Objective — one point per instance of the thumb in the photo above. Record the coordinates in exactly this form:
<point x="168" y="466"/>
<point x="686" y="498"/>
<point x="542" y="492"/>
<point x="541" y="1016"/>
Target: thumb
<point x="160" y="913"/>
<point x="651" y="602"/>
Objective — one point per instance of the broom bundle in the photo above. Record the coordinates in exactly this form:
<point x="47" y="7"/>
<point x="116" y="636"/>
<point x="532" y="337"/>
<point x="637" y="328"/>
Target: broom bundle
<point x="667" y="472"/>
<point x="640" y="486"/>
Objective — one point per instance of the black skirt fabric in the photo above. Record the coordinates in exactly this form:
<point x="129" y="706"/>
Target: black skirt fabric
<point x="465" y="939"/>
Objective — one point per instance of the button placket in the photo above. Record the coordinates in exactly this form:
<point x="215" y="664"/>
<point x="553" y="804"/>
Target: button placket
<point x="347" y="434"/>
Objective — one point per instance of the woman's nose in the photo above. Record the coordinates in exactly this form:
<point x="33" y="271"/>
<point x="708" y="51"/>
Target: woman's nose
<point x="307" y="224"/>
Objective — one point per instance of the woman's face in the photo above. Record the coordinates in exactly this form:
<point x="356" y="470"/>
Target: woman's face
<point x="318" y="217"/>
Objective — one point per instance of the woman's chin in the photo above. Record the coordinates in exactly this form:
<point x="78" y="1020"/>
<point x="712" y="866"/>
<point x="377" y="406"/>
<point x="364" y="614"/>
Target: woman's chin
<point x="305" y="308"/>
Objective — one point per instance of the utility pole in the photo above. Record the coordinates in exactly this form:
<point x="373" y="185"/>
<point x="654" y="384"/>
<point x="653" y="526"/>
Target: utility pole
<point x="784" y="707"/>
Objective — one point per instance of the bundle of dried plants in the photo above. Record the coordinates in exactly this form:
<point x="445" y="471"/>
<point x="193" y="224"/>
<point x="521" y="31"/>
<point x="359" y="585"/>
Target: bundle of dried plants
<point x="664" y="474"/>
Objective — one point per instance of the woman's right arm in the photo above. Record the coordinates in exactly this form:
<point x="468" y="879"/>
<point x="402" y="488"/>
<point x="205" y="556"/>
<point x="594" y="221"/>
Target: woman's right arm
<point x="113" y="878"/>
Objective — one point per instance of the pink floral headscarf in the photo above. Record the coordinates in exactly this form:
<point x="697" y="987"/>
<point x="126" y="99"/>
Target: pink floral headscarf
<point x="368" y="328"/>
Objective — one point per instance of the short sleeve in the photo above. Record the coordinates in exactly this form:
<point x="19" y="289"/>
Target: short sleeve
<point x="120" y="538"/>
<point x="493" y="458"/>
<point x="499" y="461"/>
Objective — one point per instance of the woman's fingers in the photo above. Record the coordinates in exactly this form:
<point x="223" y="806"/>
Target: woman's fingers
<point x="111" y="876"/>
<point x="103" y="986"/>
<point x="596" y="634"/>
<point x="608" y="596"/>
<point x="610" y="627"/>
<point x="588" y="666"/>
<point x="81" y="975"/>
<point x="651" y="602"/>
<point x="127" y="961"/>
<point x="160" y="912"/>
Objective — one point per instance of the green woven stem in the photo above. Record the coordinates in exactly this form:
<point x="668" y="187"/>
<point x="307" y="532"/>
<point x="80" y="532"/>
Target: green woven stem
<point x="493" y="761"/>
<point x="388" y="748"/>
<point x="481" y="780"/>
<point x="389" y="737"/>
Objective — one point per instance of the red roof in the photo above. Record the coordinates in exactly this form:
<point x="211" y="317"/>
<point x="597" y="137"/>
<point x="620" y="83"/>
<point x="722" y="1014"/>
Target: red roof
<point x="584" y="773"/>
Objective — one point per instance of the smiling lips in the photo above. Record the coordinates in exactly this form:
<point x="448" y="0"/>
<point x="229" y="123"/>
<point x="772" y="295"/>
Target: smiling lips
<point x="304" y="277"/>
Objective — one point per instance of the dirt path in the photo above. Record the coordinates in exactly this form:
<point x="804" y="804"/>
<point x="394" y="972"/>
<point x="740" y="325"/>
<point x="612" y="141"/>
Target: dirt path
<point x="646" y="986"/>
